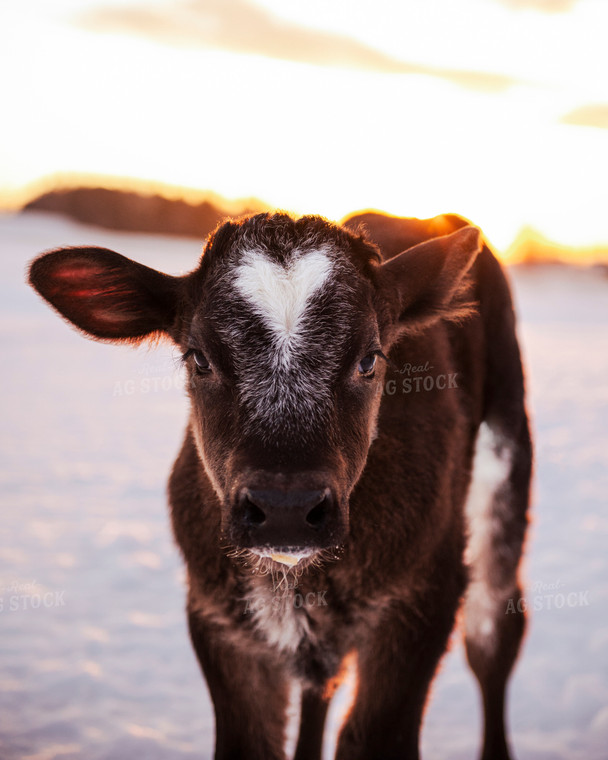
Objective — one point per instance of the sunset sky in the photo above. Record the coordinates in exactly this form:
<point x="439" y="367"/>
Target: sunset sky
<point x="495" y="109"/>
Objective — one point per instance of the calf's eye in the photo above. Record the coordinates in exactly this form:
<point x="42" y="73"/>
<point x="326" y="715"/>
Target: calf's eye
<point x="367" y="365"/>
<point x="201" y="361"/>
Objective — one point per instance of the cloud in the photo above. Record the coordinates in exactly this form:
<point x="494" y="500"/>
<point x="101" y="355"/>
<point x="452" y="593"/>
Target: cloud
<point x="593" y="115"/>
<point x="545" y="6"/>
<point x="239" y="26"/>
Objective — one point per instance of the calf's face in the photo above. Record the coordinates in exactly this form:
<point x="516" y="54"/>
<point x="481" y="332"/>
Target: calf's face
<point x="284" y="328"/>
<point x="283" y="353"/>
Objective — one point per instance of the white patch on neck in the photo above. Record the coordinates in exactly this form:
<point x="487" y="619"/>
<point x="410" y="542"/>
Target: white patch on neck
<point x="277" y="615"/>
<point x="280" y="294"/>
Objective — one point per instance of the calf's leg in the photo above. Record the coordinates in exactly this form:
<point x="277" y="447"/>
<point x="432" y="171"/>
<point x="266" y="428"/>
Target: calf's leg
<point x="249" y="693"/>
<point x="492" y="643"/>
<point x="395" y="667"/>
<point x="494" y="617"/>
<point x="312" y="723"/>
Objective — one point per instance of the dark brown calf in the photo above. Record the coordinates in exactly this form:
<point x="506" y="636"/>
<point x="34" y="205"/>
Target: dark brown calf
<point x="345" y="383"/>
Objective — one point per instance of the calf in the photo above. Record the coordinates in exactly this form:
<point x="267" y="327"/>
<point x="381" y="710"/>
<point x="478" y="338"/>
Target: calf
<point x="324" y="507"/>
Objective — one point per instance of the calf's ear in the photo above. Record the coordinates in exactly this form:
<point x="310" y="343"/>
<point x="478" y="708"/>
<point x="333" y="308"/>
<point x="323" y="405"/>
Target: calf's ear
<point x="106" y="295"/>
<point x="428" y="282"/>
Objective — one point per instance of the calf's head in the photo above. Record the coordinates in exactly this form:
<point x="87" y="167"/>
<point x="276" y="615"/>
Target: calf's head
<point x="284" y="328"/>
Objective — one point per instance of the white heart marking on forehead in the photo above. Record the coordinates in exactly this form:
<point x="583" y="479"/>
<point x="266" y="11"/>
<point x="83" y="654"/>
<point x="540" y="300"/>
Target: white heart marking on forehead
<point x="280" y="294"/>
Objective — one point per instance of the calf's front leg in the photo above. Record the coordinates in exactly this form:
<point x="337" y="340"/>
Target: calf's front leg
<point x="395" y="668"/>
<point x="249" y="693"/>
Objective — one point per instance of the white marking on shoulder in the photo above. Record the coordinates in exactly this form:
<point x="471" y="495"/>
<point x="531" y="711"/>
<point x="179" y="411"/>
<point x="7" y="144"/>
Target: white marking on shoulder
<point x="280" y="294"/>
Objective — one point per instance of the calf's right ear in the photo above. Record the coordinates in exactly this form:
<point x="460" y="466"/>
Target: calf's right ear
<point x="428" y="282"/>
<point x="106" y="295"/>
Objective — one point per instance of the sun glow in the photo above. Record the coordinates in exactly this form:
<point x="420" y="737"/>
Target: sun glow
<point x="320" y="138"/>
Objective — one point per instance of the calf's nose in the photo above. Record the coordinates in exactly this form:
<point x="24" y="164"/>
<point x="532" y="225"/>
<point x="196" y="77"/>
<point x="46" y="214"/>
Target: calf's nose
<point x="290" y="518"/>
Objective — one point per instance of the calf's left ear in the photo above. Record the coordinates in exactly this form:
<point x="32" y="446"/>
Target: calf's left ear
<point x="427" y="282"/>
<point x="106" y="295"/>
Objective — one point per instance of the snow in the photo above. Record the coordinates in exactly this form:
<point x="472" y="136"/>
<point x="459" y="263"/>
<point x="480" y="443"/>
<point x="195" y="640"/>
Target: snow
<point x="95" y="658"/>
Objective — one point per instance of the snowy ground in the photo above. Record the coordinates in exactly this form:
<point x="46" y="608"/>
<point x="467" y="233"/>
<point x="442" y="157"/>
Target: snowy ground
<point x="102" y="669"/>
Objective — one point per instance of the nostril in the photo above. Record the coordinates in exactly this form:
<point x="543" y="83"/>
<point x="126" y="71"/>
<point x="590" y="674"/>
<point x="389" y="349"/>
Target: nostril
<point x="316" y="517"/>
<point x="284" y="512"/>
<point x="252" y="514"/>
